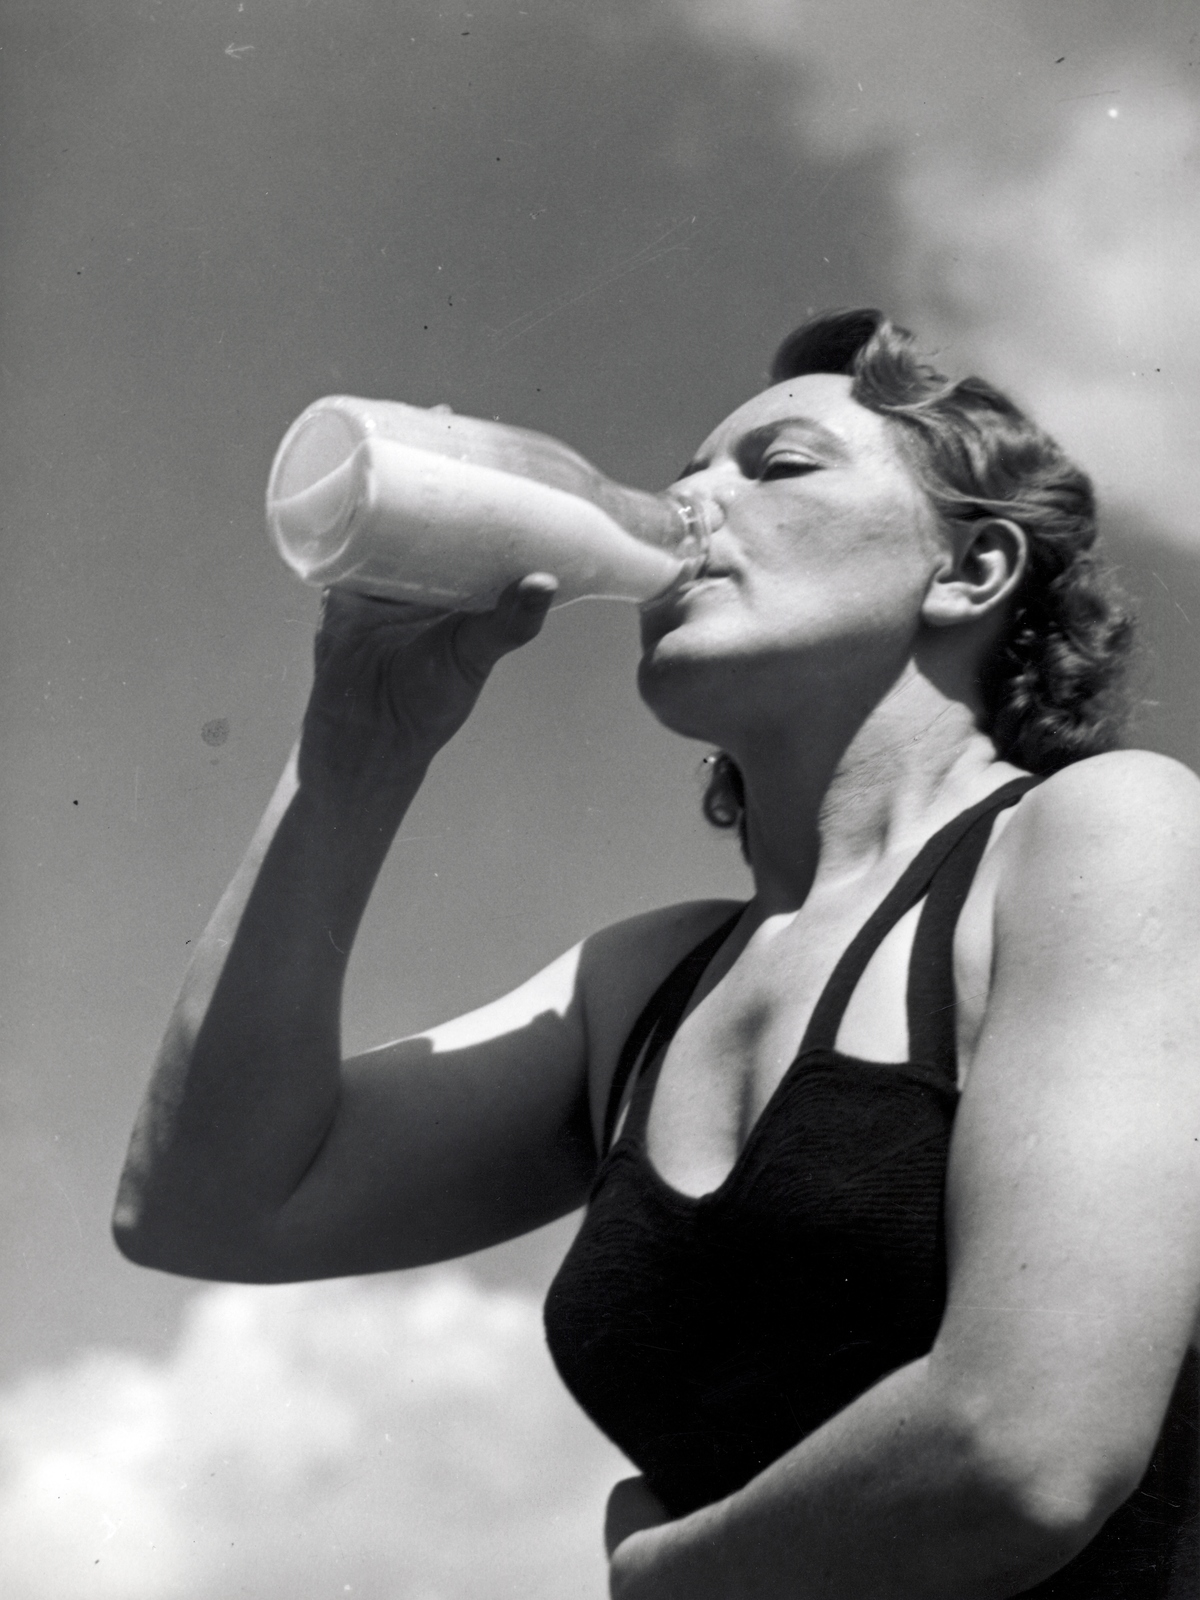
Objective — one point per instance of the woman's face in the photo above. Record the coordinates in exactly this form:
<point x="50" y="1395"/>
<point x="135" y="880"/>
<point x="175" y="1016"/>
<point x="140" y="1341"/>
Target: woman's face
<point x="820" y="560"/>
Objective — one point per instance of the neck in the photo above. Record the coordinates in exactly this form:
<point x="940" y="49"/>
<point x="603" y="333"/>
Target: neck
<point x="820" y="809"/>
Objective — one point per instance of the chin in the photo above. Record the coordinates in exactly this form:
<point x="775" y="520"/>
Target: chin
<point x="680" y="689"/>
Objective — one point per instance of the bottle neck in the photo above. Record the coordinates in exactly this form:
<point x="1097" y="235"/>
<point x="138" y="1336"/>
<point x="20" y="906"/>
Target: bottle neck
<point x="693" y="544"/>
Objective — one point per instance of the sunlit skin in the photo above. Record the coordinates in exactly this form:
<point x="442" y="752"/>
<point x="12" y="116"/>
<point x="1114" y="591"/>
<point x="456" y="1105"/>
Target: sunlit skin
<point x="824" y="547"/>
<point x="815" y="648"/>
<point x="835" y="636"/>
<point x="832" y="646"/>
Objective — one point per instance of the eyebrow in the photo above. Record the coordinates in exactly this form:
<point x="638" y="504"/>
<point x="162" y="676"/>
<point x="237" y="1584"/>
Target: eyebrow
<point x="759" y="438"/>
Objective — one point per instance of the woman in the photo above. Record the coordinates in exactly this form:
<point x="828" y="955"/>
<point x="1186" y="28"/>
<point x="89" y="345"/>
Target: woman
<point x="853" y="1356"/>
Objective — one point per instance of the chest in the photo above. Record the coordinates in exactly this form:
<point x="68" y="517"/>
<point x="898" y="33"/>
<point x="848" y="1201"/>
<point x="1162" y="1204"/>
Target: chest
<point x="733" y="1049"/>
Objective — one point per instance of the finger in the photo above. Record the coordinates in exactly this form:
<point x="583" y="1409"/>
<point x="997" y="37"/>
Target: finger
<point x="632" y="1507"/>
<point x="345" y="612"/>
<point x="481" y="639"/>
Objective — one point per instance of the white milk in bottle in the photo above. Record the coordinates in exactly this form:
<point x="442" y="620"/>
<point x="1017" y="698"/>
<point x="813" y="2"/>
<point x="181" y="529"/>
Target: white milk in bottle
<point x="414" y="504"/>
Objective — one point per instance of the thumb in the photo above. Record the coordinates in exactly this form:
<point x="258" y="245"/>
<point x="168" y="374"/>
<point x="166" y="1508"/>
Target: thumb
<point x="632" y="1507"/>
<point x="517" y="617"/>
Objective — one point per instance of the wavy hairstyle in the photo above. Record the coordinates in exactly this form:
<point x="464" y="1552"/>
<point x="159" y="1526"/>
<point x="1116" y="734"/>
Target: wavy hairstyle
<point x="1053" y="683"/>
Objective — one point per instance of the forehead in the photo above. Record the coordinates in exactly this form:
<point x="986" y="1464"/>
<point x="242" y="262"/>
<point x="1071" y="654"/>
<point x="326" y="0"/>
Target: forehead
<point x="819" y="401"/>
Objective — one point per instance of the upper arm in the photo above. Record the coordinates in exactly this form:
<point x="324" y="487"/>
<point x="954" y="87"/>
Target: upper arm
<point x="1073" y="1197"/>
<point x="481" y="1128"/>
<point x="451" y="1139"/>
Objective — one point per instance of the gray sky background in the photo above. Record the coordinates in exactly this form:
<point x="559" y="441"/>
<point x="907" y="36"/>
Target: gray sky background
<point x="596" y="219"/>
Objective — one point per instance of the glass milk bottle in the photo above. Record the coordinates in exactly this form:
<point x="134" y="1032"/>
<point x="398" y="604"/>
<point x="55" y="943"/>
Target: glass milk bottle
<point x="423" y="505"/>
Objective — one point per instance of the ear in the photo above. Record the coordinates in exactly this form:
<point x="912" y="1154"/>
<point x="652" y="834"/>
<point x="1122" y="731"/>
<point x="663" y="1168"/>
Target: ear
<point x="983" y="563"/>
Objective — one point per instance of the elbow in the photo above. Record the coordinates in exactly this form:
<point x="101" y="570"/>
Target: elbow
<point x="185" y="1246"/>
<point x="142" y="1231"/>
<point x="1044" y="1490"/>
<point x="207" y="1259"/>
<point x="157" y="1247"/>
<point x="1055" y="1509"/>
<point x="132" y="1232"/>
<point x="143" y="1247"/>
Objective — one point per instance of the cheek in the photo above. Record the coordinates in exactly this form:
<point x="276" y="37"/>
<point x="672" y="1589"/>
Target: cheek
<point x="847" y="567"/>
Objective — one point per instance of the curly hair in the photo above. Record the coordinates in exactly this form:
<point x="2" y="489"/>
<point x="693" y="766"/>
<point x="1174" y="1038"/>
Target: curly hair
<point x="1053" y="683"/>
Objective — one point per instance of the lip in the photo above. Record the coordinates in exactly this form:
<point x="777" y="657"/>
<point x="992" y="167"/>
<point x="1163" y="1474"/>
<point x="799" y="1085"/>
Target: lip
<point x="684" y="586"/>
<point x="667" y="610"/>
<point x="701" y="579"/>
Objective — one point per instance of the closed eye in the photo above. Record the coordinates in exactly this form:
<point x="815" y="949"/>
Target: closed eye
<point x="786" y="467"/>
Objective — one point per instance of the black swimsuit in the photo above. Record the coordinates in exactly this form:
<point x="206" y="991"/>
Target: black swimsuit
<point x="707" y="1335"/>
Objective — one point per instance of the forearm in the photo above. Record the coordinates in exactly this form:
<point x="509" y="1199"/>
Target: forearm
<point x="246" y="1088"/>
<point x="246" y="1082"/>
<point x="893" y="1499"/>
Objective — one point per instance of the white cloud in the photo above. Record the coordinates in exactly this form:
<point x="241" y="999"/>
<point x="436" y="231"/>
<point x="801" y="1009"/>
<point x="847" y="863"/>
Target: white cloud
<point x="1075" y="284"/>
<point x="376" y="1439"/>
<point x="1048" y="202"/>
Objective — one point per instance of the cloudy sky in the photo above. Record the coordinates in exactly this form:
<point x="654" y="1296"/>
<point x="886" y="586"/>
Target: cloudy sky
<point x="594" y="217"/>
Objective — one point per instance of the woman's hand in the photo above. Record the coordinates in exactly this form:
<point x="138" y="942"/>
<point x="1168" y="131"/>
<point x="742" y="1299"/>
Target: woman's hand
<point x="631" y="1508"/>
<point x="394" y="682"/>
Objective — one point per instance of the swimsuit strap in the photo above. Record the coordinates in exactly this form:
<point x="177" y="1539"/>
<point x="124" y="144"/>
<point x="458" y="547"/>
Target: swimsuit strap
<point x="660" y="1017"/>
<point x="943" y="869"/>
<point x="930" y="998"/>
<point x="955" y="850"/>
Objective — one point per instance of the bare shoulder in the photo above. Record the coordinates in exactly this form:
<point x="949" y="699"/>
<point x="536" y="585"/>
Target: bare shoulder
<point x="1121" y="783"/>
<point x="622" y="965"/>
<point x="1108" y="838"/>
